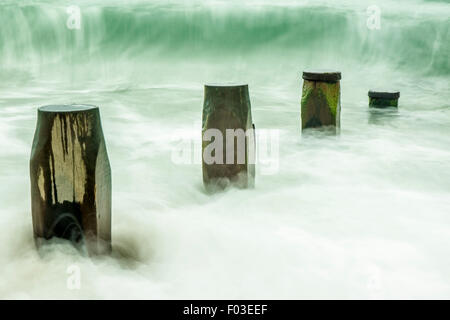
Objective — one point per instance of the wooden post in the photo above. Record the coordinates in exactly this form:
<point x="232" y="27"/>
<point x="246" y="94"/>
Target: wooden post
<point x="71" y="178"/>
<point x="383" y="99"/>
<point x="321" y="99"/>
<point x="227" y="108"/>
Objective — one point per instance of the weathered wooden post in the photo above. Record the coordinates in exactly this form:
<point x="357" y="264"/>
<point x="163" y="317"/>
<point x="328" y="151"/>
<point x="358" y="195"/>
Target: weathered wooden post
<point x="321" y="99"/>
<point x="228" y="137"/>
<point x="71" y="178"/>
<point x="383" y="99"/>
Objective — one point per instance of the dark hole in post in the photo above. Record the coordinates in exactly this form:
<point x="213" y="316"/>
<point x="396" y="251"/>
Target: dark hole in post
<point x="64" y="221"/>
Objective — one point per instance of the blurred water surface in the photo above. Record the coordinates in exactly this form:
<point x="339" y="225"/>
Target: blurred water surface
<point x="362" y="215"/>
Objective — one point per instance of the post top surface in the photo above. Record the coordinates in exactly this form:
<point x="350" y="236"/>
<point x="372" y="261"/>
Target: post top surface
<point x="321" y="75"/>
<point x="384" y="94"/>
<point x="67" y="108"/>
<point x="226" y="85"/>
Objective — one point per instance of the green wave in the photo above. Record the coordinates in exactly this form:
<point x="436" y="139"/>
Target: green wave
<point x="36" y="33"/>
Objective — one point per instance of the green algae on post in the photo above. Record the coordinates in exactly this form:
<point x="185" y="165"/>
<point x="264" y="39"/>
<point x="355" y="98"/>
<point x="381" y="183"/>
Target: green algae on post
<point x="71" y="178"/>
<point x="383" y="99"/>
<point x="228" y="137"/>
<point x="320" y="103"/>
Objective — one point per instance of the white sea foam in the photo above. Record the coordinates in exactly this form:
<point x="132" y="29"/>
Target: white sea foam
<point x="361" y="215"/>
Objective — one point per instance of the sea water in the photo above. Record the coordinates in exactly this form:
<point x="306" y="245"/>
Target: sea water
<point x="365" y="214"/>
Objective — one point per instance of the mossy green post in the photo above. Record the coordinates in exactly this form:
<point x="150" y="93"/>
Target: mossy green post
<point x="71" y="178"/>
<point x="383" y="99"/>
<point x="321" y="99"/>
<point x="227" y="106"/>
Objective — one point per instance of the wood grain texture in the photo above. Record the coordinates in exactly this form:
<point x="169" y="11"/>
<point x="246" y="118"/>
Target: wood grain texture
<point x="71" y="178"/>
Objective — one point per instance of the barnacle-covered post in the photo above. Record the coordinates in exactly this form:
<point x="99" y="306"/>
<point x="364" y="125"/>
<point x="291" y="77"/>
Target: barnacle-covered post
<point x="228" y="137"/>
<point x="383" y="99"/>
<point x="71" y="178"/>
<point x="321" y="99"/>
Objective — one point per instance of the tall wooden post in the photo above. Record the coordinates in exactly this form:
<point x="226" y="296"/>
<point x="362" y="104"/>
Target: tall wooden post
<point x="228" y="146"/>
<point x="383" y="99"/>
<point x="321" y="99"/>
<point x="71" y="177"/>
